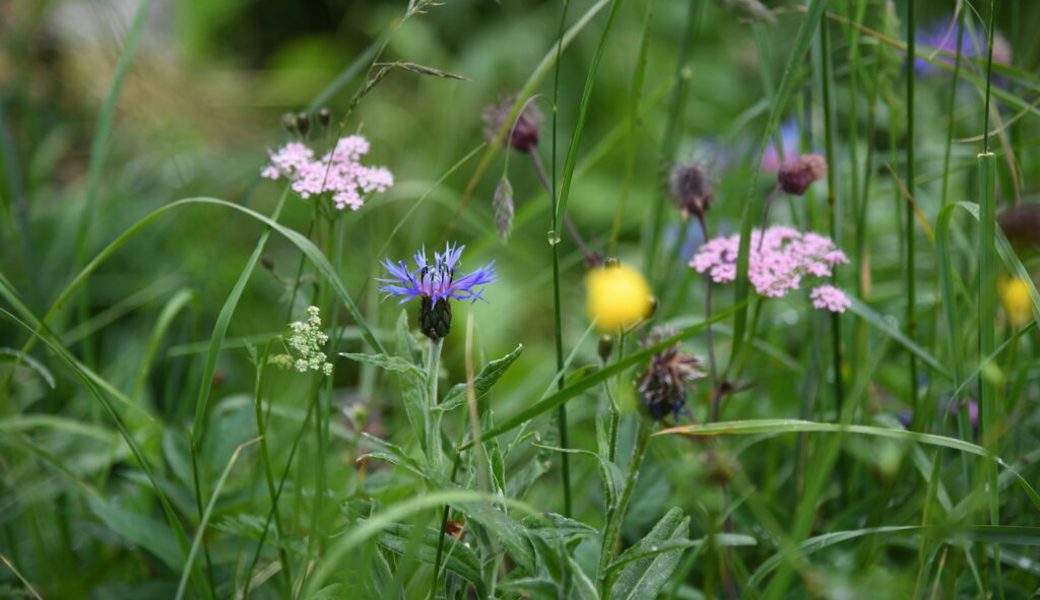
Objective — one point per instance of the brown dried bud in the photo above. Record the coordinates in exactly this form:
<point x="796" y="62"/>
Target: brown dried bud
<point x="662" y="388"/>
<point x="522" y="133"/>
<point x="691" y="189"/>
<point x="303" y="123"/>
<point x="324" y="117"/>
<point x="797" y="175"/>
<point x="1021" y="225"/>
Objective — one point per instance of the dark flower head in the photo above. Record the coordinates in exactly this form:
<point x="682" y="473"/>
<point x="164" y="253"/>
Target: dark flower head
<point x="436" y="283"/>
<point x="1021" y="225"/>
<point x="663" y="386"/>
<point x="797" y="175"/>
<point x="690" y="186"/>
<point x="522" y="133"/>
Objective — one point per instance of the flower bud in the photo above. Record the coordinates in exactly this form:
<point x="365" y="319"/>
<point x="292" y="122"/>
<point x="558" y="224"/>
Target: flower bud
<point x="605" y="347"/>
<point x="303" y="123"/>
<point x="434" y="318"/>
<point x="797" y="175"/>
<point x="522" y="134"/>
<point x="324" y="117"/>
<point x="690" y="186"/>
<point x="289" y="123"/>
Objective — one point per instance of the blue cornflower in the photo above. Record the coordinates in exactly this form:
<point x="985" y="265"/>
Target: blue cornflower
<point x="435" y="284"/>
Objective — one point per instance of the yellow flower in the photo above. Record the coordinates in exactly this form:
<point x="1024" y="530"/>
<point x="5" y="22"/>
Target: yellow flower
<point x="618" y="297"/>
<point x="1018" y="302"/>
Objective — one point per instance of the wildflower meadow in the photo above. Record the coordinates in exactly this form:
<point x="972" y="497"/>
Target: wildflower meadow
<point x="570" y="299"/>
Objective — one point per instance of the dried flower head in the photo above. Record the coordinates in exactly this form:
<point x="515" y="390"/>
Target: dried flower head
<point x="779" y="259"/>
<point x="306" y="341"/>
<point x="1021" y="225"/>
<point x="662" y="387"/>
<point x="435" y="284"/>
<point x="524" y="130"/>
<point x="691" y="189"/>
<point x="339" y="172"/>
<point x="795" y="176"/>
<point x="617" y="297"/>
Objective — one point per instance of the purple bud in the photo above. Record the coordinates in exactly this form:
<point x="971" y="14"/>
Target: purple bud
<point x="797" y="175"/>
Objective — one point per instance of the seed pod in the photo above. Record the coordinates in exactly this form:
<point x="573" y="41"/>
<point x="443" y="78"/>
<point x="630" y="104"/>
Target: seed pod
<point x="324" y="117"/>
<point x="690" y="186"/>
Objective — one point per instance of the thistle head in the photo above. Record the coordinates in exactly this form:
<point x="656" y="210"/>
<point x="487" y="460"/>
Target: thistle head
<point x="795" y="176"/>
<point x="522" y="133"/>
<point x="691" y="189"/>
<point x="662" y="387"/>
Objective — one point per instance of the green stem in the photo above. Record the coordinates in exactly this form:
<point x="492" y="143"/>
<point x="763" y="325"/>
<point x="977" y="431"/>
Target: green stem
<point x="261" y="429"/>
<point x="616" y="513"/>
<point x="433" y="434"/>
<point x="561" y="414"/>
<point x="911" y="292"/>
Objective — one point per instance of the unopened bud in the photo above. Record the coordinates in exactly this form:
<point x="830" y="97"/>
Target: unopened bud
<point x="606" y="346"/>
<point x="303" y="123"/>
<point x="289" y="123"/>
<point x="324" y="117"/>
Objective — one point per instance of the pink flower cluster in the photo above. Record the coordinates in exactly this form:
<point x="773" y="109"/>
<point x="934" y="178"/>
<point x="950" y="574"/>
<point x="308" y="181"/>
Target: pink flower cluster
<point x="339" y="171"/>
<point x="830" y="298"/>
<point x="779" y="259"/>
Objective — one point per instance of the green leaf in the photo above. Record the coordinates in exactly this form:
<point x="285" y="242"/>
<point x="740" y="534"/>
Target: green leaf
<point x="584" y="588"/>
<point x="509" y="532"/>
<point x="552" y="525"/>
<point x="457" y="557"/>
<point x="644" y="577"/>
<point x="139" y="529"/>
<point x="482" y="383"/>
<point x="394" y="364"/>
<point x="757" y="426"/>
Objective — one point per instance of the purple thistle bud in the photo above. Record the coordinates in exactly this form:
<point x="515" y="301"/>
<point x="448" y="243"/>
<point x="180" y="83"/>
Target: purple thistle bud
<point x="797" y="175"/>
<point x="523" y="133"/>
<point x="503" y="205"/>
<point x="435" y="284"/>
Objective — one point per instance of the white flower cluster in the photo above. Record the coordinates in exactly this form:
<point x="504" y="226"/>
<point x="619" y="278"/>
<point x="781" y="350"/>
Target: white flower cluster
<point x="306" y="342"/>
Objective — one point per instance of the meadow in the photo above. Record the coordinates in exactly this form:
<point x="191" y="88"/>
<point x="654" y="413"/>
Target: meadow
<point x="584" y="299"/>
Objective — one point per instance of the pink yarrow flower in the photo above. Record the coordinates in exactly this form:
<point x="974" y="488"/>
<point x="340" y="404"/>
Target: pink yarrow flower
<point x="780" y="258"/>
<point x="830" y="298"/>
<point x="339" y="172"/>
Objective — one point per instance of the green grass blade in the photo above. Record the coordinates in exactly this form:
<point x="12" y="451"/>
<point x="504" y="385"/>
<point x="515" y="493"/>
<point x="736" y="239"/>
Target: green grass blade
<point x="190" y="562"/>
